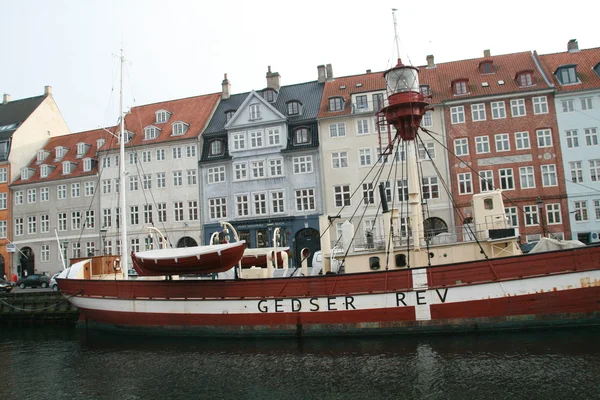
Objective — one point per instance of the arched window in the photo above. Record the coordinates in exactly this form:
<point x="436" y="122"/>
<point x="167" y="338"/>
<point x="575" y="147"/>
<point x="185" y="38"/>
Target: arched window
<point x="460" y="86"/>
<point x="336" y="104"/>
<point x="293" y="108"/>
<point x="301" y="136"/>
<point x="216" y="148"/>
<point x="525" y="78"/>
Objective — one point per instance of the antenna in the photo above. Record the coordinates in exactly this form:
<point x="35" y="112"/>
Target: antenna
<point x="396" y="38"/>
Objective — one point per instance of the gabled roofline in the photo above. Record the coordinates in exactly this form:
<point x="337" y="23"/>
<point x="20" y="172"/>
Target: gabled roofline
<point x="249" y="98"/>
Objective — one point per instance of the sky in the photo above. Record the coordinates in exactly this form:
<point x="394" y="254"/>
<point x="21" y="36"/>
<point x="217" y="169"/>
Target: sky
<point x="177" y="49"/>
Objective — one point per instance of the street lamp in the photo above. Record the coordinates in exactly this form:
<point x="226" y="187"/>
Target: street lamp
<point x="103" y="231"/>
<point x="540" y="205"/>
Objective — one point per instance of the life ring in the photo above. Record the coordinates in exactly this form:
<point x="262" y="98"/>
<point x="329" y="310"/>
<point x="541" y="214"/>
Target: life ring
<point x="117" y="264"/>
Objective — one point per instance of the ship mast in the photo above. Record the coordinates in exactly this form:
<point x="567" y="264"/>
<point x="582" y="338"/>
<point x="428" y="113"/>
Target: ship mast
<point x="124" y="255"/>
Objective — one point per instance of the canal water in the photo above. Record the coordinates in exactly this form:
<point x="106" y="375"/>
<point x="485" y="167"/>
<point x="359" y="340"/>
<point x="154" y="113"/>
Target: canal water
<point x="68" y="363"/>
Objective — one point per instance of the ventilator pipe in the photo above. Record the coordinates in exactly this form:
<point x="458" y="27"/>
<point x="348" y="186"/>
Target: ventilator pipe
<point x="275" y="234"/>
<point x="214" y="236"/>
<point x="285" y="260"/>
<point x="270" y="264"/>
<point x="305" y="253"/>
<point x="226" y="224"/>
<point x="164" y="241"/>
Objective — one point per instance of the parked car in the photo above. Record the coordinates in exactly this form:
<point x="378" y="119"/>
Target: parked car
<point x="53" y="283"/>
<point x="34" y="280"/>
<point x="5" y="286"/>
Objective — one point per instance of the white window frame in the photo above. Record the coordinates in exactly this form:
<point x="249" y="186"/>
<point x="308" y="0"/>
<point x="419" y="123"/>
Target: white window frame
<point x="478" y="112"/>
<point x="498" y="109"/>
<point x="504" y="140"/>
<point x="517" y="108"/>
<point x="457" y="115"/>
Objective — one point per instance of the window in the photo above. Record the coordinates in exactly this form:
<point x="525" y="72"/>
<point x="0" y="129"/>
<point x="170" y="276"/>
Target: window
<point x="117" y="185"/>
<point x="339" y="159"/>
<point x="178" y="211"/>
<point x="161" y="116"/>
<point x="486" y="181"/>
<point x="426" y="152"/>
<point x="146" y="156"/>
<point x="486" y="67"/>
<point x="177" y="153"/>
<point x="305" y="200"/>
<point x="106" y="218"/>
<point x="62" y="221"/>
<point x="591" y="136"/>
<point x="502" y="142"/>
<point x="89" y="188"/>
<point x="544" y="137"/>
<point x="3" y="229"/>
<point x="133" y="183"/>
<point x="177" y="178"/>
<point x="31" y="196"/>
<point x="45" y="250"/>
<point x="293" y="108"/>
<point x="368" y="195"/>
<point x="190" y="151"/>
<point x="517" y="107"/>
<point x="229" y="114"/>
<point x="273" y="136"/>
<point x="75" y="220"/>
<point x="19" y="226"/>
<point x="465" y="184"/>
<point x="277" y="203"/>
<point x="90" y="219"/>
<point x="66" y="166"/>
<point x="337" y="130"/>
<point x="362" y="126"/>
<point x="365" y="157"/>
<point x="256" y="139"/>
<point x="276" y="167"/>
<point x="388" y="191"/>
<point x="76" y="250"/>
<point x="507" y="181"/>
<point x="586" y="103"/>
<point x="134" y="215"/>
<point x="240" y="171"/>
<point x="302" y="165"/>
<point x="525" y="79"/>
<point x="241" y="205"/>
<point x="549" y="175"/>
<point x="576" y="171"/>
<point x="427" y="120"/>
<point x="254" y="111"/>
<point x="522" y="140"/>
<point x="44" y="171"/>
<point x="81" y="149"/>
<point x="457" y="115"/>
<point x="572" y="138"/>
<point x="402" y="186"/>
<point x="361" y="102"/>
<point x="460" y="87"/>
<point x="527" y="177"/>
<point x="581" y="212"/>
<point x="3" y="175"/>
<point x="151" y="132"/>
<point x="216" y="148"/>
<point x="44" y="223"/>
<point x="147" y="181"/>
<point x="260" y="203"/>
<point x="179" y="128"/>
<point x="118" y="217"/>
<point x="60" y="152"/>
<point x="192" y="177"/>
<point x="257" y="169"/>
<point x="239" y="140"/>
<point x="106" y="186"/>
<point x="160" y="154"/>
<point x="148" y="213"/>
<point x="482" y="144"/>
<point x="31" y="225"/>
<point x="301" y="136"/>
<point x="498" y="110"/>
<point x="567" y="105"/>
<point x="193" y="210"/>
<point x="342" y="195"/>
<point x="216" y="174"/>
<point x="567" y="74"/>
<point x="540" y="105"/>
<point x="61" y="192"/>
<point x="25" y="173"/>
<point x="161" y="211"/>
<point x="106" y="162"/>
<point x="531" y="215"/>
<point x="217" y="207"/>
<point x="596" y="210"/>
<point x="161" y="180"/>
<point x="336" y="104"/>
<point x="461" y="147"/>
<point x="132" y="158"/>
<point x="18" y="198"/>
<point x="430" y="188"/>
<point x="87" y="164"/>
<point x="595" y="170"/>
<point x="553" y="214"/>
<point x="3" y="201"/>
<point x="75" y="189"/>
<point x="478" y="112"/>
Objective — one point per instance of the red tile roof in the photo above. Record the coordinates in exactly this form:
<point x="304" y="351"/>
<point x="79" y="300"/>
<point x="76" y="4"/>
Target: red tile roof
<point x="70" y="142"/>
<point x="585" y="60"/>
<point x="194" y="111"/>
<point x="370" y="82"/>
<point x="506" y="68"/>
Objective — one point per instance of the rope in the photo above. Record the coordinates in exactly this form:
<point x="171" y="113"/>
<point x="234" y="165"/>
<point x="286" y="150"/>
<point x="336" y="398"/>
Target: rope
<point x="40" y="309"/>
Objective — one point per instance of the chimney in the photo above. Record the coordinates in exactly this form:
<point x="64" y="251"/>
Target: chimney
<point x="48" y="90"/>
<point x="487" y="53"/>
<point x="329" y="72"/>
<point x="572" y="46"/>
<point x="226" y="88"/>
<point x="368" y="71"/>
<point x="273" y="79"/>
<point x="430" y="62"/>
<point x="6" y="98"/>
<point x="322" y="74"/>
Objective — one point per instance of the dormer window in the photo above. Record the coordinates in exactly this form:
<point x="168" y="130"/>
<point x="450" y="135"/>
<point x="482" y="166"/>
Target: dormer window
<point x="597" y="69"/>
<point x="179" y="128"/>
<point x="81" y="149"/>
<point x="151" y="132"/>
<point x="100" y="143"/>
<point x="42" y="155"/>
<point x="162" y="116"/>
<point x="567" y="74"/>
<point x="459" y="87"/>
<point x="336" y="104"/>
<point x="229" y="114"/>
<point x="254" y="111"/>
<point x="87" y="164"/>
<point x="301" y="136"/>
<point x="128" y="137"/>
<point x="26" y="173"/>
<point x="525" y="78"/>
<point x="361" y="102"/>
<point x="60" y="152"/>
<point x="425" y="90"/>
<point x="269" y="95"/>
<point x="45" y="170"/>
<point x="486" y="67"/>
<point x="216" y="148"/>
<point x="293" y="108"/>
<point x="67" y="167"/>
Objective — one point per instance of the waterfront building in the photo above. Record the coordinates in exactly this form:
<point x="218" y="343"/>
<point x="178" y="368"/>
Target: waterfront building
<point x="575" y="75"/>
<point x="260" y="166"/>
<point x="500" y="122"/>
<point x="161" y="165"/>
<point x="25" y="125"/>
<point x="54" y="203"/>
<point x="353" y="140"/>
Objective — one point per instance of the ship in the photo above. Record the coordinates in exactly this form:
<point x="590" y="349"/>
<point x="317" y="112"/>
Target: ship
<point x="473" y="280"/>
